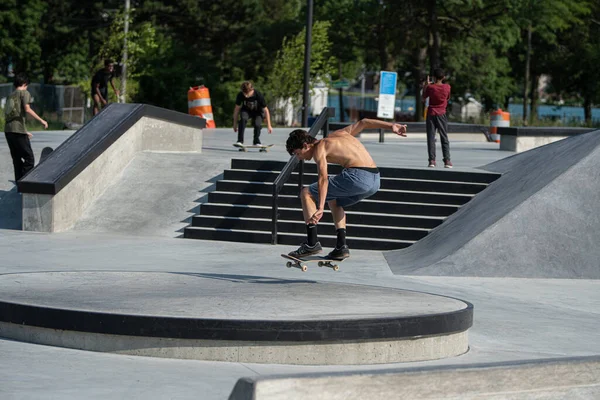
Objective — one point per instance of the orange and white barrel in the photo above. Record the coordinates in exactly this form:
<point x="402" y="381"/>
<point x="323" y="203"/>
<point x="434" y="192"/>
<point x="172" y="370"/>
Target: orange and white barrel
<point x="498" y="119"/>
<point x="199" y="104"/>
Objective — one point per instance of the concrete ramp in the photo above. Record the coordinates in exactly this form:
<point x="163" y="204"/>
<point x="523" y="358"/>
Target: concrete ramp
<point x="568" y="378"/>
<point x="539" y="220"/>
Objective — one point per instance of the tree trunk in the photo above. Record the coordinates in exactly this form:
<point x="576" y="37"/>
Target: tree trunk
<point x="587" y="109"/>
<point x="534" y="98"/>
<point x="434" y="36"/>
<point x="419" y="65"/>
<point x="527" y="67"/>
<point x="341" y="94"/>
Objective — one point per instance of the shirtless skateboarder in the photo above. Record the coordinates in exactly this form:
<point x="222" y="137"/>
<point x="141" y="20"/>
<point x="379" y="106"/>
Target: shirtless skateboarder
<point x="358" y="180"/>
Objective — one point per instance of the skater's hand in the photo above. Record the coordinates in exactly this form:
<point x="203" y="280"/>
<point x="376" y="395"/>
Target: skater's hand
<point x="234" y="127"/>
<point x="29" y="135"/>
<point x="270" y="129"/>
<point x="44" y="123"/>
<point x="316" y="217"/>
<point x="399" y="130"/>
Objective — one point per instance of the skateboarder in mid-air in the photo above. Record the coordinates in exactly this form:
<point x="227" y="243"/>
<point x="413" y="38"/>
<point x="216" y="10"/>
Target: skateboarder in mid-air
<point x="358" y="180"/>
<point x="253" y="107"/>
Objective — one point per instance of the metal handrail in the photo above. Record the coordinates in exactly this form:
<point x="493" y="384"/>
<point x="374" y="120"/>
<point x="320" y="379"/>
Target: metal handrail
<point x="321" y="123"/>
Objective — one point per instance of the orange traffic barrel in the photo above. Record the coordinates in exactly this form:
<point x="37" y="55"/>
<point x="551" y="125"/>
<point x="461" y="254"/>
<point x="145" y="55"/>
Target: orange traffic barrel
<point x="199" y="104"/>
<point x="498" y="119"/>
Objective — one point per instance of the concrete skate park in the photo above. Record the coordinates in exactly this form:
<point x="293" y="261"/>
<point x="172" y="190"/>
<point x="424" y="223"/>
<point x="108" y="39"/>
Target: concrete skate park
<point x="111" y="288"/>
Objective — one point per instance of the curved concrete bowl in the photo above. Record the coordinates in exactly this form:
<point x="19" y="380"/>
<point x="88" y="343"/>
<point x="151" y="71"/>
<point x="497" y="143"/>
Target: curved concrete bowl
<point x="234" y="318"/>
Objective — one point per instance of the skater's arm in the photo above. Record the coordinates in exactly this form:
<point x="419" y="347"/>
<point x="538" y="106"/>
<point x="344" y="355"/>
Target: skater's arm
<point x="424" y="93"/>
<point x="113" y="86"/>
<point x="30" y="111"/>
<point x="236" y="113"/>
<point x="363" y="124"/>
<point x="320" y="157"/>
<point x="268" y="116"/>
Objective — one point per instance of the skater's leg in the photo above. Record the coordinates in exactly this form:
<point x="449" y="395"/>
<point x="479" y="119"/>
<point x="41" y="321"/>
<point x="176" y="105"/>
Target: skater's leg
<point x="257" y="129"/>
<point x="312" y="245"/>
<point x="244" y="117"/>
<point x="341" y="250"/>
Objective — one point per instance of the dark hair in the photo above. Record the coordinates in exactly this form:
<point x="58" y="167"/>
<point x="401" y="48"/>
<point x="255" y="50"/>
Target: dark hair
<point x="438" y="74"/>
<point x="21" y="79"/>
<point x="297" y="139"/>
<point x="247" y="87"/>
<point x="108" y="62"/>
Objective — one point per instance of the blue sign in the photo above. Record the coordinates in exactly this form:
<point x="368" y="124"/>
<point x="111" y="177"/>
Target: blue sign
<point x="388" y="82"/>
<point x="387" y="95"/>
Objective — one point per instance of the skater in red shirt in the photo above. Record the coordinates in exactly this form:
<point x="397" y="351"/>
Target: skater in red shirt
<point x="439" y="94"/>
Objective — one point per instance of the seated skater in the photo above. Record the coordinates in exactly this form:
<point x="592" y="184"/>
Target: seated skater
<point x="358" y="180"/>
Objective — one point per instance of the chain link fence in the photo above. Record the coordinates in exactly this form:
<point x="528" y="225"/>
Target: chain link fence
<point x="68" y="105"/>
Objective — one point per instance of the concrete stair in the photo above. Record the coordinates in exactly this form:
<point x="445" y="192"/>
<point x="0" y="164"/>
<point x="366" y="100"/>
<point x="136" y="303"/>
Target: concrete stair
<point x="410" y="203"/>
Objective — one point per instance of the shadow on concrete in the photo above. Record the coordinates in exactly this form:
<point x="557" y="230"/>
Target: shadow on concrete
<point x="11" y="212"/>
<point x="245" y="278"/>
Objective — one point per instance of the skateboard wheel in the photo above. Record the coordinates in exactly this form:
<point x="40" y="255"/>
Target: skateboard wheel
<point x="320" y="263"/>
<point x="304" y="268"/>
<point x="289" y="264"/>
<point x="336" y="268"/>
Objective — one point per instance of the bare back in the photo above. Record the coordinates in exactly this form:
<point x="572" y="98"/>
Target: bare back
<point x="346" y="150"/>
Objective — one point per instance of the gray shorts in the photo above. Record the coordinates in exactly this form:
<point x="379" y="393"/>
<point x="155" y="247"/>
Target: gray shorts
<point x="349" y="187"/>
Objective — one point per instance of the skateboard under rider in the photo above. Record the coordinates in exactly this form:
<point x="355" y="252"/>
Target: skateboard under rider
<point x="321" y="261"/>
<point x="262" y="147"/>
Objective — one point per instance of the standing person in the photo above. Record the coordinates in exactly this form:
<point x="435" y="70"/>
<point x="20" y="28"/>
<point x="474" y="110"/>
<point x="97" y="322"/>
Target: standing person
<point x="438" y="94"/>
<point x="100" y="85"/>
<point x="358" y="180"/>
<point x="253" y="106"/>
<point x="16" y="109"/>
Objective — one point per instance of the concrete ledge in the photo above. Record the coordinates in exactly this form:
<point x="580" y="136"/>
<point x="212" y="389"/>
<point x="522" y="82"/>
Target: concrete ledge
<point x="58" y="191"/>
<point x="548" y="379"/>
<point x="339" y="352"/>
<point x="231" y="318"/>
<point x="456" y="131"/>
<point x="521" y="139"/>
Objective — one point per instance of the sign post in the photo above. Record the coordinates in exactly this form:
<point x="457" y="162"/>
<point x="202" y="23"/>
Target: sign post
<point x="387" y="94"/>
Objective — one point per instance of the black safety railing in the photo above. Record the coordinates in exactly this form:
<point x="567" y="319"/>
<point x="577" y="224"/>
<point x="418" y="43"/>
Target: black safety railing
<point x="321" y="123"/>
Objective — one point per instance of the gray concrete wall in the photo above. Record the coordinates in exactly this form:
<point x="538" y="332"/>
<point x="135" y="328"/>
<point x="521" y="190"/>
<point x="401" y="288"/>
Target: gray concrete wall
<point x="554" y="379"/>
<point x="538" y="220"/>
<point x="56" y="213"/>
<point x="524" y="143"/>
<point x="359" y="352"/>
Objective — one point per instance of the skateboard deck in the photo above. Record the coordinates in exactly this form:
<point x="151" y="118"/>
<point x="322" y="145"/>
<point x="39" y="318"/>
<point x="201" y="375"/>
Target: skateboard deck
<point x="321" y="261"/>
<point x="45" y="153"/>
<point x="262" y="147"/>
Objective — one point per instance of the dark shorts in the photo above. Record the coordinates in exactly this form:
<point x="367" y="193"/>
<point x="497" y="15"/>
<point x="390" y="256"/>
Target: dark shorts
<point x="350" y="186"/>
<point x="104" y="92"/>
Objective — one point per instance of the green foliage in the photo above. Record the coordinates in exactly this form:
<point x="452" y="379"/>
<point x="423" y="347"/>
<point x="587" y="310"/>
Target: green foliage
<point x="20" y="34"/>
<point x="175" y="45"/>
<point x="286" y="80"/>
<point x="141" y="42"/>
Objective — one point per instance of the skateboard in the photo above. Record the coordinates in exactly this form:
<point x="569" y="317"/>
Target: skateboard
<point x="45" y="153"/>
<point x="262" y="147"/>
<point x="300" y="263"/>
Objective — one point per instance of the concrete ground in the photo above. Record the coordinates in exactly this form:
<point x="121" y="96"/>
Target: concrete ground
<point x="136" y="224"/>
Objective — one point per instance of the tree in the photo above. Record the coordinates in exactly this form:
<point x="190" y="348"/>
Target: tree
<point x="573" y="67"/>
<point x="544" y="18"/>
<point x="286" y="79"/>
<point x="20" y="35"/>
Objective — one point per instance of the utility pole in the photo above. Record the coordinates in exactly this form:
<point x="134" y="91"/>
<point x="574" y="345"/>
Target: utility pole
<point x="124" y="69"/>
<point x="307" y="50"/>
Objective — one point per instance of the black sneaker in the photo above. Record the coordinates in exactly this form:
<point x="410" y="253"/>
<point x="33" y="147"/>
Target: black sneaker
<point x="306" y="250"/>
<point x="339" y="254"/>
